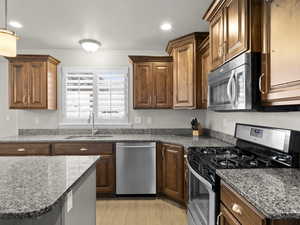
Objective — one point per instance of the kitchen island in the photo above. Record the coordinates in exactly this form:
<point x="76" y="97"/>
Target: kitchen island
<point x="56" y="190"/>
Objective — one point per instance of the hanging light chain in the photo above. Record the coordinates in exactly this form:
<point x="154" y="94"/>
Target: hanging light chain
<point x="5" y="21"/>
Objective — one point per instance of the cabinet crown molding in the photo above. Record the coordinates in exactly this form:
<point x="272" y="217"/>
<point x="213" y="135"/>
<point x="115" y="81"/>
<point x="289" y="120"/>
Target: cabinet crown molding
<point x="142" y="58"/>
<point x="213" y="9"/>
<point x="196" y="36"/>
<point x="34" y="58"/>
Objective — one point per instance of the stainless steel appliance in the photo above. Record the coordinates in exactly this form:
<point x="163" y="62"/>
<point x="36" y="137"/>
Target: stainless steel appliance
<point x="235" y="85"/>
<point x="136" y="168"/>
<point x="256" y="147"/>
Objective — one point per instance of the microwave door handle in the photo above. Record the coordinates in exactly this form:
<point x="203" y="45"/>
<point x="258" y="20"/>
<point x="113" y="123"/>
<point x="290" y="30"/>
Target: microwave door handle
<point x="234" y="83"/>
<point x="229" y="94"/>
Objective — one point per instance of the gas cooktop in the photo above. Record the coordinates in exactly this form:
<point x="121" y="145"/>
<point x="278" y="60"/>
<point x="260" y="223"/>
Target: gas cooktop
<point x="235" y="158"/>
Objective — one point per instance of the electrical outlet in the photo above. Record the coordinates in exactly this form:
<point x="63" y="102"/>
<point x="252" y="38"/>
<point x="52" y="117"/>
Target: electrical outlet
<point x="138" y="120"/>
<point x="37" y="120"/>
<point x="8" y="118"/>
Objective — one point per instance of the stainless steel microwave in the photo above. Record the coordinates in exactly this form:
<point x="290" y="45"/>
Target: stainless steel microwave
<point x="235" y="85"/>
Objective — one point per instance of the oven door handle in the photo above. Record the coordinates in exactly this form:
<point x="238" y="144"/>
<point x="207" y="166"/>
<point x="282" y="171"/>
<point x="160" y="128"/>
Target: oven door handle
<point x="229" y="93"/>
<point x="200" y="178"/>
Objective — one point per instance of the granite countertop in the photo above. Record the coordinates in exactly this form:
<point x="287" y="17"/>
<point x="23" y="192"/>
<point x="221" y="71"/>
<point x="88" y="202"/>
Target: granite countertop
<point x="274" y="192"/>
<point x="186" y="141"/>
<point x="31" y="186"/>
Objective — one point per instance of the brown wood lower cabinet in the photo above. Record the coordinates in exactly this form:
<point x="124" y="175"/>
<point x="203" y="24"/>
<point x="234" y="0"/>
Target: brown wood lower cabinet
<point x="24" y="149"/>
<point x="235" y="210"/>
<point x="105" y="167"/>
<point x="105" y="170"/>
<point x="173" y="172"/>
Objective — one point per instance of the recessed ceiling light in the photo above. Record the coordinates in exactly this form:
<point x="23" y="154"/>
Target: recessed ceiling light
<point x="90" y="45"/>
<point x="166" y="26"/>
<point x="15" y="24"/>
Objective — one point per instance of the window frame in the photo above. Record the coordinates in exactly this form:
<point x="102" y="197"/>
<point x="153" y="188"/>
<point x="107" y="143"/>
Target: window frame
<point x="84" y="122"/>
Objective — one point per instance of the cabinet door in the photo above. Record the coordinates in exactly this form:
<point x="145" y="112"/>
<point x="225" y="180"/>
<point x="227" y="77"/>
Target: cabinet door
<point x="205" y="69"/>
<point x="184" y="89"/>
<point x="163" y="85"/>
<point x="281" y="68"/>
<point x="105" y="169"/>
<point x="173" y="170"/>
<point x="226" y="218"/>
<point x="217" y="40"/>
<point x="235" y="28"/>
<point x="143" y="86"/>
<point x="37" y="77"/>
<point x="18" y="80"/>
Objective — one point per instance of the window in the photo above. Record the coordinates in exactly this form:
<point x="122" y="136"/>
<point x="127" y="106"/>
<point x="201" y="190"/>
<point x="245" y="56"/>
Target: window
<point x="102" y="91"/>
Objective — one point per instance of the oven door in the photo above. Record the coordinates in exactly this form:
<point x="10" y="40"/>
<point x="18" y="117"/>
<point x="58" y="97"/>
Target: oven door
<point x="202" y="199"/>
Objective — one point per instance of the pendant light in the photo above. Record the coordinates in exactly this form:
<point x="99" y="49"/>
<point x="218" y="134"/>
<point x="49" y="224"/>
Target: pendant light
<point x="8" y="39"/>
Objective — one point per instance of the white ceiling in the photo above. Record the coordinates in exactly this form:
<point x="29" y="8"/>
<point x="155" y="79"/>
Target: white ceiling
<point x="118" y="24"/>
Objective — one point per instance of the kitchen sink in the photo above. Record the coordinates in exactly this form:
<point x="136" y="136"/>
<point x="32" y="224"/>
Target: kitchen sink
<point x="89" y="137"/>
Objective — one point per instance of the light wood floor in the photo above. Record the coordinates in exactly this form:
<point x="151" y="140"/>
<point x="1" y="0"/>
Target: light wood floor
<point x="139" y="212"/>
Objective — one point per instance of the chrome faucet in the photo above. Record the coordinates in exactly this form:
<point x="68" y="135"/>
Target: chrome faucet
<point x="92" y="122"/>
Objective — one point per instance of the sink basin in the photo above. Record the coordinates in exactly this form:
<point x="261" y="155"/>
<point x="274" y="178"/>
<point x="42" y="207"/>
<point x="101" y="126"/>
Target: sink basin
<point x="89" y="137"/>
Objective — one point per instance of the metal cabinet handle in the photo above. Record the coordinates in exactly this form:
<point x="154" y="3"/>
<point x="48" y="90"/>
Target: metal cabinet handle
<point x="219" y="218"/>
<point x="83" y="149"/>
<point x="260" y="85"/>
<point x="21" y="150"/>
<point x="237" y="209"/>
<point x="229" y="92"/>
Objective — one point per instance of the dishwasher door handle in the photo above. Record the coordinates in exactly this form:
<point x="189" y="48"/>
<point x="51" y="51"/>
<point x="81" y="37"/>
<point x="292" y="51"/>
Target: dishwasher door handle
<point x="142" y="146"/>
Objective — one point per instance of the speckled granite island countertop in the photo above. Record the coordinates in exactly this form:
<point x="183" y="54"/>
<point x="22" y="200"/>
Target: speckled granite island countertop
<point x="274" y="192"/>
<point x="186" y="141"/>
<point x="31" y="186"/>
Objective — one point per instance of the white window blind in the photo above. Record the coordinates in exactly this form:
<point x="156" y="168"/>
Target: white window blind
<point x="103" y="91"/>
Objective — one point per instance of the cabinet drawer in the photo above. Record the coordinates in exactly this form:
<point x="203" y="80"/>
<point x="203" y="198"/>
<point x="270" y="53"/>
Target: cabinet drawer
<point x="24" y="149"/>
<point x="82" y="148"/>
<point x="240" y="208"/>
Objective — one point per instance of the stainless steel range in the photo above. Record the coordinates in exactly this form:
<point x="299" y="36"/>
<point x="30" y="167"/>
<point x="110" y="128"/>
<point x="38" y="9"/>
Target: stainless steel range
<point x="257" y="147"/>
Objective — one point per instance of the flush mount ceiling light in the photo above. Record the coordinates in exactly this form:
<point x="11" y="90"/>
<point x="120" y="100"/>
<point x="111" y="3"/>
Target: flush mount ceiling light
<point x="166" y="26"/>
<point x="90" y="45"/>
<point x="8" y="39"/>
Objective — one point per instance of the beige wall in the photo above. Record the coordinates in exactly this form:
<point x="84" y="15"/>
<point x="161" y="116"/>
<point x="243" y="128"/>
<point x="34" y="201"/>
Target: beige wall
<point x="225" y="122"/>
<point x="8" y="118"/>
<point x="27" y="119"/>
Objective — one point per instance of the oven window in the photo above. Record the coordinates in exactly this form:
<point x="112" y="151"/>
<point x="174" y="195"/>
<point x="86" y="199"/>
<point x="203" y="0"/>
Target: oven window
<point x="200" y="202"/>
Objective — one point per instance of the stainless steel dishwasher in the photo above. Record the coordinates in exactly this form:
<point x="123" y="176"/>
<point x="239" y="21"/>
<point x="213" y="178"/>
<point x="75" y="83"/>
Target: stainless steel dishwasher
<point x="136" y="168"/>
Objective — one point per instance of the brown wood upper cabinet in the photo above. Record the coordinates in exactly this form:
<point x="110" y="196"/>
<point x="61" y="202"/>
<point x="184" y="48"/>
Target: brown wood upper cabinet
<point x="173" y="172"/>
<point x="187" y="81"/>
<point x="33" y="82"/>
<point x="152" y="82"/>
<point x="281" y="52"/>
<point x="205" y="61"/>
<point x="234" y="28"/>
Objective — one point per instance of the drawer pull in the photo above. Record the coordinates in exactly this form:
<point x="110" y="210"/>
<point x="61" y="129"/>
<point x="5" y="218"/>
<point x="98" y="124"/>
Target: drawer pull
<point x="21" y="149"/>
<point x="237" y="209"/>
<point x="83" y="149"/>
